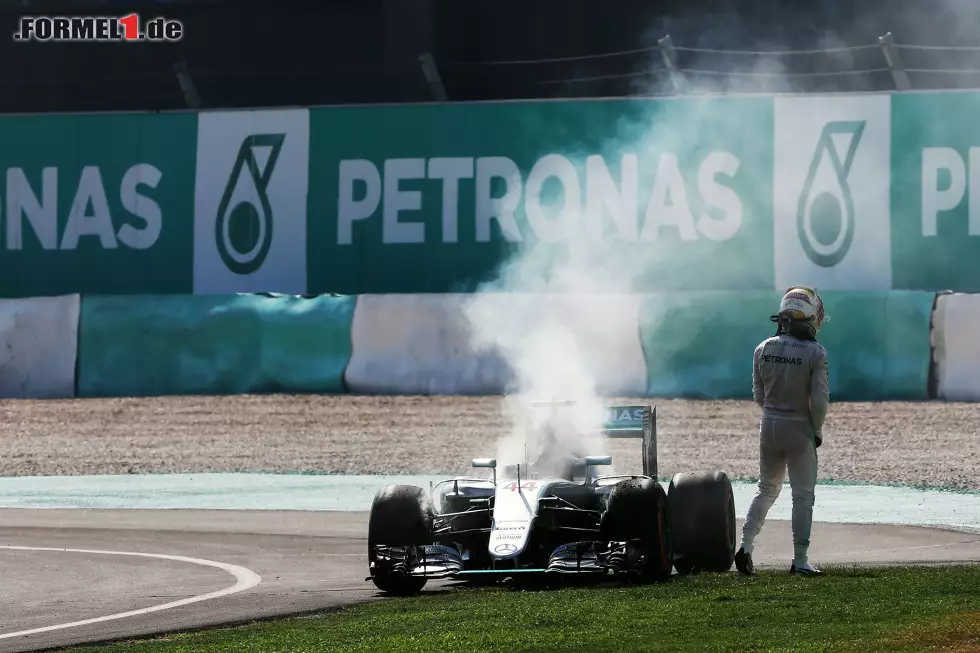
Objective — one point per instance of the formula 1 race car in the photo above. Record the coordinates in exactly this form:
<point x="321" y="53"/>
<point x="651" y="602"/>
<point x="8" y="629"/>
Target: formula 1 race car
<point x="524" y="522"/>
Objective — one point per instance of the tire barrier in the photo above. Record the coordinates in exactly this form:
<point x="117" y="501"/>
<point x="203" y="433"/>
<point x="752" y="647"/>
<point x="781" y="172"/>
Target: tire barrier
<point x="221" y="344"/>
<point x="38" y="347"/>
<point x="898" y="345"/>
<point x="956" y="347"/>
<point x="699" y="345"/>
<point x="428" y="344"/>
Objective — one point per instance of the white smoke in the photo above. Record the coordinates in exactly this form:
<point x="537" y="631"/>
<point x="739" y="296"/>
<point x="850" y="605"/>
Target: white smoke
<point x="556" y="307"/>
<point x="551" y="341"/>
<point x="561" y="311"/>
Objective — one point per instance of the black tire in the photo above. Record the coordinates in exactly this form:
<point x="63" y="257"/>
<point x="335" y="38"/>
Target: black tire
<point x="399" y="517"/>
<point x="638" y="509"/>
<point x="702" y="513"/>
<point x="684" y="566"/>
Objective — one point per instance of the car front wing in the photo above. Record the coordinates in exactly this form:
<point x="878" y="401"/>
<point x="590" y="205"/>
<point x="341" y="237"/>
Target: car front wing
<point x="438" y="561"/>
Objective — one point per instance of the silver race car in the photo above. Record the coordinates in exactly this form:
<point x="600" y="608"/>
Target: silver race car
<point x="555" y="515"/>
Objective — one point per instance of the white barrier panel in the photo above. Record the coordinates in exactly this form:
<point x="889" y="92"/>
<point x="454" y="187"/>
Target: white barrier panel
<point x="957" y="348"/>
<point x="38" y="347"/>
<point x="418" y="344"/>
<point x="425" y="344"/>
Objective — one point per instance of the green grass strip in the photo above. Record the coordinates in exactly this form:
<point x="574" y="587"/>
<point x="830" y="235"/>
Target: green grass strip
<point x="848" y="609"/>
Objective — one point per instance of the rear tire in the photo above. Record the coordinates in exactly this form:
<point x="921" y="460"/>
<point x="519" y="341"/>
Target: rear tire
<point x="702" y="512"/>
<point x="683" y="566"/>
<point x="638" y="509"/>
<point x="399" y="517"/>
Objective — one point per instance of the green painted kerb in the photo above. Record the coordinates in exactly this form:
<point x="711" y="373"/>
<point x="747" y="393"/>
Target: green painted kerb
<point x="700" y="344"/>
<point x="220" y="344"/>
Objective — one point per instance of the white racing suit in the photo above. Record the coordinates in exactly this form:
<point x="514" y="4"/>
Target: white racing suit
<point x="790" y="384"/>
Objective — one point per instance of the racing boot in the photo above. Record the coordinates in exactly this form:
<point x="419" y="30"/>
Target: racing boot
<point x="804" y="569"/>
<point x="743" y="562"/>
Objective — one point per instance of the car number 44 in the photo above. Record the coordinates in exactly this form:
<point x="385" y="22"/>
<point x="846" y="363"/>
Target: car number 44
<point x="527" y="485"/>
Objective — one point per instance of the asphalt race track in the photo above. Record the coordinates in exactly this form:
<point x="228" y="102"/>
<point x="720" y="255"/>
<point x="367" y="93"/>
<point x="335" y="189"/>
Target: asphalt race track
<point x="306" y="561"/>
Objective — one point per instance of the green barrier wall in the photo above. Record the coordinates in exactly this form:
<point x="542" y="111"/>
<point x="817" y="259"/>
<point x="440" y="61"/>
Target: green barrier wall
<point x="703" y="194"/>
<point x="700" y="345"/>
<point x="97" y="204"/>
<point x="695" y="345"/>
<point x="223" y="344"/>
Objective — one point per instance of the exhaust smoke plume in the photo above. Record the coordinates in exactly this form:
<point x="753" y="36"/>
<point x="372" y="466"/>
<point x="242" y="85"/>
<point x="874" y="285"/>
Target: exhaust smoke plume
<point x="559" y="304"/>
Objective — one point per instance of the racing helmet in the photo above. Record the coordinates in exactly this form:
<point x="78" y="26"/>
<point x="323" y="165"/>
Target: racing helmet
<point x="800" y="313"/>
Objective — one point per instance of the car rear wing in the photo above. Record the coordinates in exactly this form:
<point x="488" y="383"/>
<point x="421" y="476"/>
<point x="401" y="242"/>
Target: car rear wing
<point x="635" y="422"/>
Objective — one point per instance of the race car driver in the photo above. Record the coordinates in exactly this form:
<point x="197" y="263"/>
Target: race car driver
<point x="790" y="384"/>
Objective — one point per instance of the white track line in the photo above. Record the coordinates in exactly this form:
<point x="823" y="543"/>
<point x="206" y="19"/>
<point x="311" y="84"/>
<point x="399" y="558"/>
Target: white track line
<point x="246" y="579"/>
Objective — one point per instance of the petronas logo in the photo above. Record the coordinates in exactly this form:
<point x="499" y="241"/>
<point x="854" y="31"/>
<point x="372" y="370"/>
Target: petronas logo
<point x="825" y="217"/>
<point x="243" y="229"/>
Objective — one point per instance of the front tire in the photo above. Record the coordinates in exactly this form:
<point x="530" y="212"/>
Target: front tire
<point x="638" y="510"/>
<point x="399" y="517"/>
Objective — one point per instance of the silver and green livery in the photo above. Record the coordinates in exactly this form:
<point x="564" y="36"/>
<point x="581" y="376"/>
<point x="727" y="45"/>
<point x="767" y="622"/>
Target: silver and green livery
<point x="523" y="520"/>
